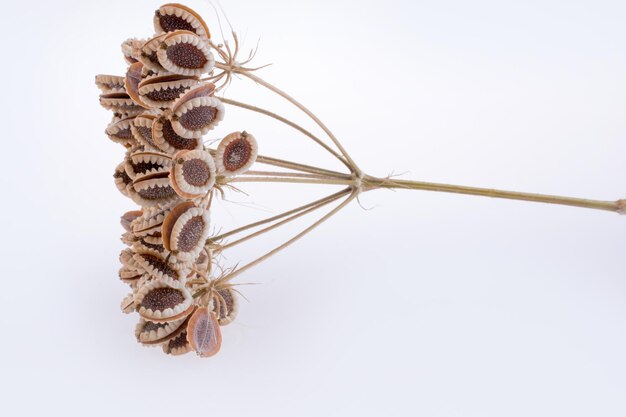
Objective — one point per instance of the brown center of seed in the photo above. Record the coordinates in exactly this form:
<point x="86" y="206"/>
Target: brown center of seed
<point x="175" y="140"/>
<point x="190" y="234"/>
<point x="227" y="306"/>
<point x="160" y="299"/>
<point x="124" y="134"/>
<point x="160" y="265"/>
<point x="149" y="326"/>
<point x="196" y="172"/>
<point x="179" y="341"/>
<point x="166" y="94"/>
<point x="198" y="117"/>
<point x="156" y="193"/>
<point x="122" y="174"/>
<point x="186" y="55"/>
<point x="170" y="23"/>
<point x="236" y="154"/>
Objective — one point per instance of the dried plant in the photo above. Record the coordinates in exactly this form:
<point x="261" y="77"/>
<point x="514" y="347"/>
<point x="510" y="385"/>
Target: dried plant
<point x="163" y="107"/>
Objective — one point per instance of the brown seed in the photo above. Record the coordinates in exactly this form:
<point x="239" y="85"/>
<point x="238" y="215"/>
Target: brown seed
<point x="203" y="333"/>
<point x="197" y="116"/>
<point x="173" y="17"/>
<point x="236" y="153"/>
<point x="185" y="53"/>
<point x="192" y="173"/>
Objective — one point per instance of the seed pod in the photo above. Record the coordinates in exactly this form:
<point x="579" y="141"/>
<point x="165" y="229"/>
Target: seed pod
<point x="185" y="231"/>
<point x="150" y="222"/>
<point x="150" y="244"/>
<point x="192" y="173"/>
<point x="153" y="192"/>
<point x="198" y="116"/>
<point x="172" y="17"/>
<point x="130" y="276"/>
<point x="149" y="55"/>
<point x="142" y="129"/>
<point x="178" y="345"/>
<point x="159" y="268"/>
<point x="119" y="131"/>
<point x="160" y="302"/>
<point x="131" y="48"/>
<point x="122" y="180"/>
<point x="183" y="52"/>
<point x="141" y="164"/>
<point x="110" y="83"/>
<point x="164" y="136"/>
<point x="203" y="262"/>
<point x="235" y="154"/>
<point x="121" y="103"/>
<point x="150" y="333"/>
<point x="162" y="90"/>
<point x="129" y="217"/>
<point x="131" y="83"/>
<point x="128" y="304"/>
<point x="203" y="333"/>
<point x="225" y="306"/>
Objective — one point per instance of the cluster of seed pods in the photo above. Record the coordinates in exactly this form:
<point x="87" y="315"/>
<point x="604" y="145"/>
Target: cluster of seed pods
<point x="161" y="111"/>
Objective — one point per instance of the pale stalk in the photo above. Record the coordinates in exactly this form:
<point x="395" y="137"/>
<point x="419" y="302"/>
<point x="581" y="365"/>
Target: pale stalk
<point x="274" y="218"/>
<point x="293" y="239"/>
<point x="289" y="180"/>
<point x="288" y="123"/>
<point x="287" y="220"/>
<point x="287" y="174"/>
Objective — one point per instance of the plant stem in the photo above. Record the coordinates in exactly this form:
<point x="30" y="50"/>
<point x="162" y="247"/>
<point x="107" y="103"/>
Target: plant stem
<point x="288" y="123"/>
<point x="317" y="206"/>
<point x="300" y="167"/>
<point x="277" y="249"/>
<point x="375" y="183"/>
<point x="290" y="180"/>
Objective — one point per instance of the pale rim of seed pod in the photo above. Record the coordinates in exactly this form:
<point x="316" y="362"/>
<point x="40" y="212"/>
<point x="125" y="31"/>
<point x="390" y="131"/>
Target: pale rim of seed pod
<point x="172" y="89"/>
<point x="150" y="333"/>
<point x="192" y="173"/>
<point x="200" y="123"/>
<point x="128" y="304"/>
<point x="149" y="55"/>
<point x="180" y="305"/>
<point x="129" y="217"/>
<point x="182" y="12"/>
<point x="168" y="140"/>
<point x="172" y="40"/>
<point x="159" y="267"/>
<point x="226" y="313"/>
<point x="185" y="228"/>
<point x="131" y="83"/>
<point x="121" y="179"/>
<point x="160" y="163"/>
<point x="110" y="83"/>
<point x="236" y="153"/>
<point x="178" y="345"/>
<point x="203" y="333"/>
<point x="150" y="221"/>
<point x="131" y="48"/>
<point x="120" y="102"/>
<point x="142" y="129"/>
<point x="141" y="246"/>
<point x="144" y="193"/>
<point x="119" y="131"/>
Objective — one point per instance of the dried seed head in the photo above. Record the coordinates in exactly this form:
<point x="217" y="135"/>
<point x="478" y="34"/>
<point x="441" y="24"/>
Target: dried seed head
<point x="110" y="83"/>
<point x="197" y="116"/>
<point x="149" y="224"/>
<point x="160" y="302"/>
<point x="150" y="245"/>
<point x="142" y="129"/>
<point x="129" y="217"/>
<point x="150" y="333"/>
<point x="192" y="173"/>
<point x="177" y="345"/>
<point x="120" y="103"/>
<point x="185" y="53"/>
<point x="129" y="275"/>
<point x="203" y="333"/>
<point x="153" y="192"/>
<point x="185" y="231"/>
<point x="122" y="180"/>
<point x="131" y="83"/>
<point x="119" y="131"/>
<point x="147" y="164"/>
<point x="131" y="48"/>
<point x="225" y="306"/>
<point x="235" y="154"/>
<point x="161" y="269"/>
<point x="162" y="90"/>
<point x="149" y="55"/>
<point x="164" y="136"/>
<point x="173" y="17"/>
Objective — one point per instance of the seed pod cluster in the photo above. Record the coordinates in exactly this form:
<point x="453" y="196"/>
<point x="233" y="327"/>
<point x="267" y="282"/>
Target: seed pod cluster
<point x="161" y="111"/>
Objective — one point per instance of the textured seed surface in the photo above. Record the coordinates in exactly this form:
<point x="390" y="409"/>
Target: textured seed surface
<point x="166" y="94"/>
<point x="163" y="298"/>
<point x="160" y="265"/>
<point x="122" y="174"/>
<point x="186" y="56"/>
<point x="179" y="341"/>
<point x="158" y="248"/>
<point x="176" y="141"/>
<point x="196" y="172"/>
<point x="227" y="305"/>
<point x="142" y="167"/>
<point x="124" y="134"/>
<point x="198" y="117"/>
<point x="156" y="193"/>
<point x="170" y="23"/>
<point x="149" y="326"/>
<point x="236" y="154"/>
<point x="190" y="234"/>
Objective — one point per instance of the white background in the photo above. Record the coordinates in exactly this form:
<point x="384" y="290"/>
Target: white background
<point x="426" y="304"/>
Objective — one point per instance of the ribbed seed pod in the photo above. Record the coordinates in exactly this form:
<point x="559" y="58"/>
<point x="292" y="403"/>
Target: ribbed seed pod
<point x="192" y="173"/>
<point x="149" y="54"/>
<point x="150" y="333"/>
<point x="172" y="17"/>
<point x="185" y="231"/>
<point x="225" y="306"/>
<point x="131" y="83"/>
<point x="159" y="302"/>
<point x="161" y="91"/>
<point x="197" y="117"/>
<point x="164" y="136"/>
<point x="203" y="333"/>
<point x="110" y="83"/>
<point x="185" y="53"/>
<point x="119" y="131"/>
<point x="235" y="154"/>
